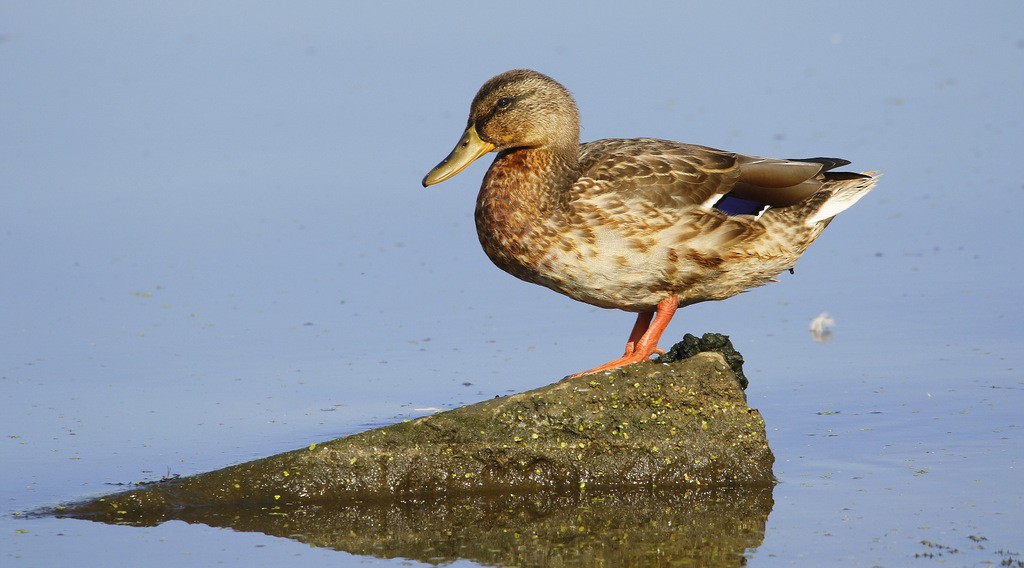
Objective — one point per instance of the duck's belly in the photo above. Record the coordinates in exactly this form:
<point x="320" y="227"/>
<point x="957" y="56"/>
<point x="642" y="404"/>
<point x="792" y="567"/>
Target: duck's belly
<point x="613" y="271"/>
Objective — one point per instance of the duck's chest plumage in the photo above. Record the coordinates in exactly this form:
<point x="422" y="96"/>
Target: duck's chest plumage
<point x="520" y="219"/>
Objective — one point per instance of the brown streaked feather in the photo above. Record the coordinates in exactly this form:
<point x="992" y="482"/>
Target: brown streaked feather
<point x="662" y="172"/>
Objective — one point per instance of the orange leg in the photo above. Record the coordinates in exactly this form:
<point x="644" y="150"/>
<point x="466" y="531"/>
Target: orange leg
<point x="643" y="340"/>
<point x="643" y="321"/>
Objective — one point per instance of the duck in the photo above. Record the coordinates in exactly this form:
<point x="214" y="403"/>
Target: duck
<point x="642" y="225"/>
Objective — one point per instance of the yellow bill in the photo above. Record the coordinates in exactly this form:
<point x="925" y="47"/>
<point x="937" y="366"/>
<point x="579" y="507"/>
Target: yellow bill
<point x="466" y="151"/>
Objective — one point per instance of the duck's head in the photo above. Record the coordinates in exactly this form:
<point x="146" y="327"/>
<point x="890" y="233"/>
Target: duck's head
<point x="516" y="109"/>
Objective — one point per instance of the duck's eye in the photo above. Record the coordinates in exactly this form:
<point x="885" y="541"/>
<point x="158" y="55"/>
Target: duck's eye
<point x="503" y="103"/>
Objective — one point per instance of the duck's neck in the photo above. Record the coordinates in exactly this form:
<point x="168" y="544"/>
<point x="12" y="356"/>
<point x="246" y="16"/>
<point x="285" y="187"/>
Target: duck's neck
<point x="524" y="196"/>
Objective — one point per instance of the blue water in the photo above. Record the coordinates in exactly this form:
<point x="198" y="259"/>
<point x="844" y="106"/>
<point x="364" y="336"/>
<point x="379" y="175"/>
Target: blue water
<point x="215" y="248"/>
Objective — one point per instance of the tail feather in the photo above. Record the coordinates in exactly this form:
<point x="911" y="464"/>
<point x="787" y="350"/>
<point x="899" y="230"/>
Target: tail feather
<point x="846" y="191"/>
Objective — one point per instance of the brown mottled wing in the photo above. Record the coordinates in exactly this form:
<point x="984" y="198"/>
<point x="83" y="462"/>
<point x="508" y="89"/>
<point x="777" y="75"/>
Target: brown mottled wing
<point x="660" y="172"/>
<point x="666" y="173"/>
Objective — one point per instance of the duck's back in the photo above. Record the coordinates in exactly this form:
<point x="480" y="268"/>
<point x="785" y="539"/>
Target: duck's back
<point x="659" y="172"/>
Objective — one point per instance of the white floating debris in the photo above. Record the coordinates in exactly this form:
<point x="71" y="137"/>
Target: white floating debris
<point x="821" y="327"/>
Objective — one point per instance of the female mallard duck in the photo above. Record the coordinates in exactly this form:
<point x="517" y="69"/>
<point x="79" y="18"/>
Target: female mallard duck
<point x="641" y="225"/>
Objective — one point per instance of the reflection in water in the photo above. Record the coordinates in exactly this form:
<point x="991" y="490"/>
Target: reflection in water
<point x="708" y="527"/>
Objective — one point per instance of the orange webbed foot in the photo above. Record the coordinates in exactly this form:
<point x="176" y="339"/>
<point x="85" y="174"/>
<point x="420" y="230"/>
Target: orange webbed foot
<point x="643" y="340"/>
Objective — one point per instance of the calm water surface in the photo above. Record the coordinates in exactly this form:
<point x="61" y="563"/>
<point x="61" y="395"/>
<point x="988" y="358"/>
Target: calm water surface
<point x="216" y="248"/>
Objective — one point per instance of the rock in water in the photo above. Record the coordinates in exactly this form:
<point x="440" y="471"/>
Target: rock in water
<point x="683" y="424"/>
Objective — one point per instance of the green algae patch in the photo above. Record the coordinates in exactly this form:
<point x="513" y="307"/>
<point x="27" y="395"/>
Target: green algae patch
<point x="681" y="424"/>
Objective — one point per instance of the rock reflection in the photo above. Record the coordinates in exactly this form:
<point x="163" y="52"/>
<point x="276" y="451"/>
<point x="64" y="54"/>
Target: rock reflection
<point x="694" y="527"/>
